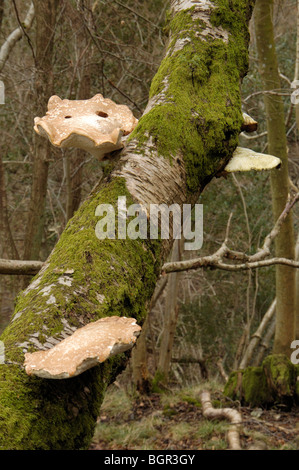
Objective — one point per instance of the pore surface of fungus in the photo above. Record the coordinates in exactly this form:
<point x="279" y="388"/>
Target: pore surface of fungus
<point x="87" y="347"/>
<point x="95" y="125"/>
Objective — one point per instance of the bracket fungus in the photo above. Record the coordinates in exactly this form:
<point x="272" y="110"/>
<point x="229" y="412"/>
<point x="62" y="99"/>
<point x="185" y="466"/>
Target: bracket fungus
<point x="249" y="124"/>
<point x="85" y="348"/>
<point x="96" y="125"/>
<point x="246" y="159"/>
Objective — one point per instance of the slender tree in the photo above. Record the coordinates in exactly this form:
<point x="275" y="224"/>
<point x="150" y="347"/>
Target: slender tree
<point x="84" y="54"/>
<point x="45" y="13"/>
<point x="170" y="318"/>
<point x="277" y="145"/>
<point x="296" y="78"/>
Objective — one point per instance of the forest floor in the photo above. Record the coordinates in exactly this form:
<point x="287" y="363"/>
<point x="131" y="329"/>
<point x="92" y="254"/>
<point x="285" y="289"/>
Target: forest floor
<point x="174" y="420"/>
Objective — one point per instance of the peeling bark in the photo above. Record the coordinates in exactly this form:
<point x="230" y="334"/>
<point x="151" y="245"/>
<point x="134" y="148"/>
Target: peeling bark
<point x="187" y="134"/>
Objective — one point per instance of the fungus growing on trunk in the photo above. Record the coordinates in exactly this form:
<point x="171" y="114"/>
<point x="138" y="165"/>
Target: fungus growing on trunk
<point x="86" y="348"/>
<point x="246" y="160"/>
<point x="96" y="125"/>
<point x="249" y="124"/>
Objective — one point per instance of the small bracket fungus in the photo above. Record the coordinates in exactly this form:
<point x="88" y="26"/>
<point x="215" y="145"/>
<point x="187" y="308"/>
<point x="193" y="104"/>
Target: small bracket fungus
<point x="95" y="125"/>
<point x="245" y="160"/>
<point x="249" y="124"/>
<point x="87" y="347"/>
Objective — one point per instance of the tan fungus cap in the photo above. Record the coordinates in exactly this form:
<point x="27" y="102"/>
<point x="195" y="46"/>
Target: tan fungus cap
<point x="95" y="125"/>
<point x="87" y="347"/>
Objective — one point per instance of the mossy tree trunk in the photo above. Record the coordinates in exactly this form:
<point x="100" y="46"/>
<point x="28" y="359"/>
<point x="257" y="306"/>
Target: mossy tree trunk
<point x="277" y="145"/>
<point x="186" y="135"/>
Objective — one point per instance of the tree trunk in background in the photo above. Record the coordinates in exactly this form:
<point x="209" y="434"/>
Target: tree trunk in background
<point x="139" y="359"/>
<point x="296" y="78"/>
<point x="277" y="145"/>
<point x="83" y="94"/>
<point x="186" y="135"/>
<point x="83" y="51"/>
<point x="6" y="238"/>
<point x="170" y="319"/>
<point x="45" y="13"/>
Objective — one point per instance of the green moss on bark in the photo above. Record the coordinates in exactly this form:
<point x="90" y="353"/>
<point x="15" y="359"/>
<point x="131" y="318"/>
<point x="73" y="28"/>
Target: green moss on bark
<point x="41" y="414"/>
<point x="200" y="112"/>
<point x="254" y="386"/>
<point x="86" y="279"/>
<point x="274" y="382"/>
<point x="105" y="277"/>
<point x="280" y="374"/>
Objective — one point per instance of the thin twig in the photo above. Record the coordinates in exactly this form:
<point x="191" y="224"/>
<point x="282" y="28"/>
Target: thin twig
<point x="23" y="28"/>
<point x="15" y="36"/>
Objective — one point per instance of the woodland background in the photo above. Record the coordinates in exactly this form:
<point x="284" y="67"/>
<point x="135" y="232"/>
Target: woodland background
<point x="115" y="48"/>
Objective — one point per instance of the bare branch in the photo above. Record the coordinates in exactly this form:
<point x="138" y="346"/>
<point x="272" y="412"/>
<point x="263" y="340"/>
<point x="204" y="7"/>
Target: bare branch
<point x="8" y="266"/>
<point x="137" y="14"/>
<point x="15" y="36"/>
<point x="244" y="262"/>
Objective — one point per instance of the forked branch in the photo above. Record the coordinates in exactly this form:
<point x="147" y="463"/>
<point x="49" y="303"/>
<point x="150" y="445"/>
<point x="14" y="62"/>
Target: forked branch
<point x="242" y="260"/>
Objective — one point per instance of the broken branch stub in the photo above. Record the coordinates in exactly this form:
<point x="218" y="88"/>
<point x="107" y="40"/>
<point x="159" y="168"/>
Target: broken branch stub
<point x="96" y="125"/>
<point x="86" y="348"/>
<point x="249" y="124"/>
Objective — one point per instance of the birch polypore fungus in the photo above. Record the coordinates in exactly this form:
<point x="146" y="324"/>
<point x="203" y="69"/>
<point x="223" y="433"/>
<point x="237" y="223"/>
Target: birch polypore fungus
<point x="96" y="125"/>
<point x="86" y="348"/>
<point x="246" y="160"/>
